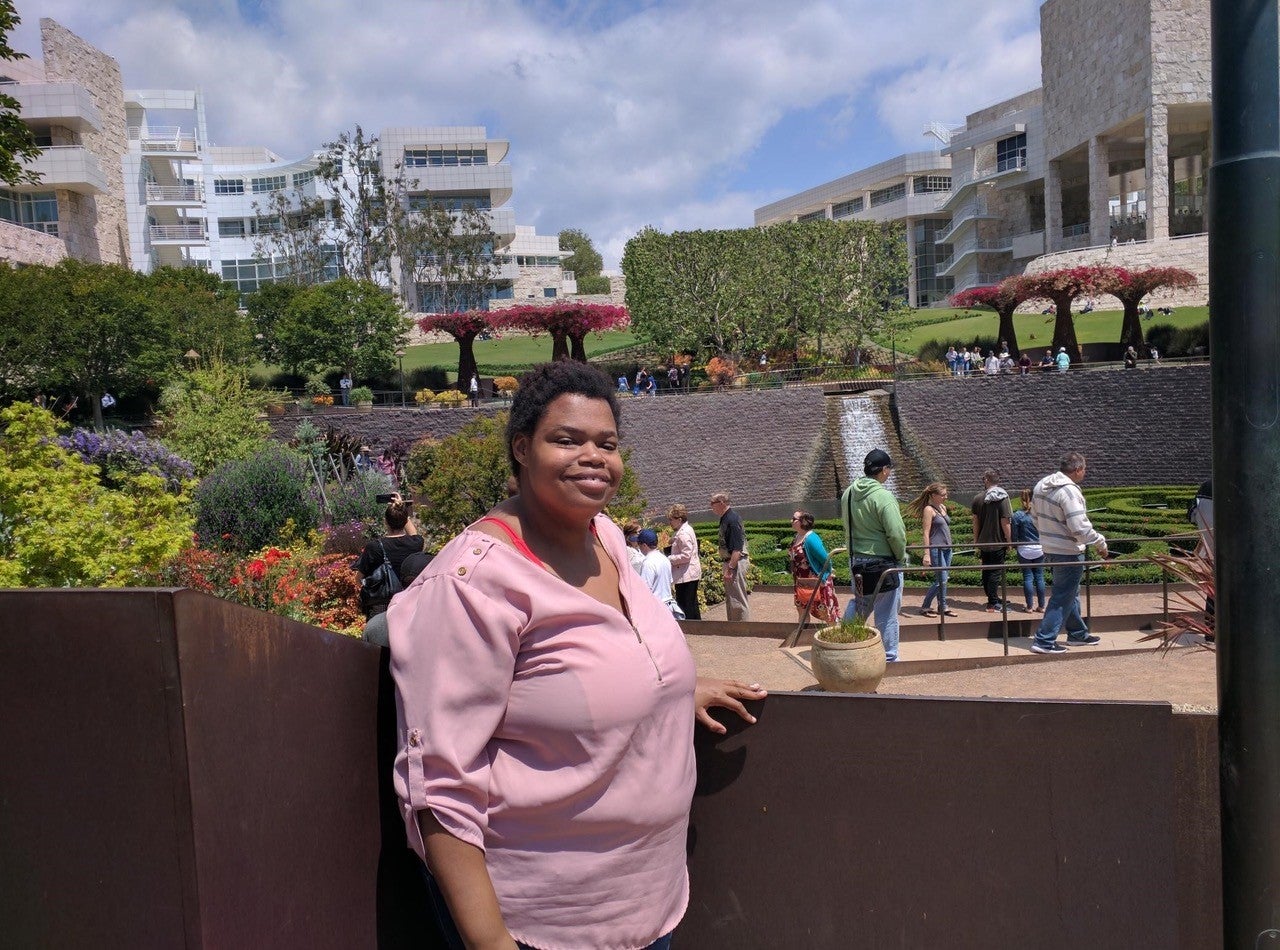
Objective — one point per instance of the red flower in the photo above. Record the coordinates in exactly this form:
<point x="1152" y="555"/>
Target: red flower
<point x="257" y="569"/>
<point x="235" y="581"/>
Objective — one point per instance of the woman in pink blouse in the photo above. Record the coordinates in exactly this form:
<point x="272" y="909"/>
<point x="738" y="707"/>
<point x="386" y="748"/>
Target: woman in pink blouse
<point x="545" y="702"/>
<point x="686" y="565"/>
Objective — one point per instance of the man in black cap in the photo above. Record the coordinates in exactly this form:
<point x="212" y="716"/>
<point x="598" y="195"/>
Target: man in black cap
<point x="877" y="540"/>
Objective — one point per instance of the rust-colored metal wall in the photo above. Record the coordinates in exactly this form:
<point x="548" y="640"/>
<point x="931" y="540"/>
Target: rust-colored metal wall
<point x="179" y="771"/>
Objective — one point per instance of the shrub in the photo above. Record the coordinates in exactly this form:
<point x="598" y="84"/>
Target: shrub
<point x="1178" y="341"/>
<point x="423" y="396"/>
<point x="355" y="499"/>
<point x="450" y="397"/>
<point x="317" y="386"/>
<point x="347" y="537"/>
<point x="210" y="415"/>
<point x="118" y="455"/>
<point x="361" y="394"/>
<point x="61" y="526"/>
<point x="721" y="370"/>
<point x="506" y="384"/>
<point x="243" y="505"/>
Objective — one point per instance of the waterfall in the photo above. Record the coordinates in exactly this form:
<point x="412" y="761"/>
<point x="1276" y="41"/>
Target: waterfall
<point x="863" y="427"/>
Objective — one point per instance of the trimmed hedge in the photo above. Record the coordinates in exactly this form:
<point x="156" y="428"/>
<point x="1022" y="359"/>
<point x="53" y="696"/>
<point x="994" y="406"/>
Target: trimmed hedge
<point x="1149" y="514"/>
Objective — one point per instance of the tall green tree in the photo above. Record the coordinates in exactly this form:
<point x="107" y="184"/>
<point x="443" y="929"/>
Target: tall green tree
<point x="445" y="255"/>
<point x="265" y="308"/>
<point x="351" y="324"/>
<point x="697" y="290"/>
<point x="17" y="143"/>
<point x="364" y="203"/>
<point x="202" y="309"/>
<point x="585" y="262"/>
<point x="209" y="415"/>
<point x="294" y="233"/>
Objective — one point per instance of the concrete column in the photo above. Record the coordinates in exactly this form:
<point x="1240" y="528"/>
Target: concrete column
<point x="1052" y="208"/>
<point x="1099" y="192"/>
<point x="1158" y="173"/>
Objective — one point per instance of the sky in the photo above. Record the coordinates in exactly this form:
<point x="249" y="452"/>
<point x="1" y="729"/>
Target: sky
<point x="677" y="114"/>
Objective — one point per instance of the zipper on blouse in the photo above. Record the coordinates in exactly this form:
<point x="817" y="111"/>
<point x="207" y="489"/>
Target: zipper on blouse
<point x="626" y="613"/>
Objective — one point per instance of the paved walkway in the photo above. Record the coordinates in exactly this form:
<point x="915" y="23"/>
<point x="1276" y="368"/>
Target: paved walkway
<point x="1123" y="667"/>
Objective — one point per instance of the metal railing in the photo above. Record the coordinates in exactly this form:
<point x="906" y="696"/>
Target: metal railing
<point x="1086" y="582"/>
<point x="978" y="373"/>
<point x="157" y="192"/>
<point x="164" y="138"/>
<point x="177" y="232"/>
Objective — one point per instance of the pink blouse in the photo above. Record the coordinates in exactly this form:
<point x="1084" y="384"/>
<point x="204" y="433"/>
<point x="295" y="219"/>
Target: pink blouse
<point x="541" y="726"/>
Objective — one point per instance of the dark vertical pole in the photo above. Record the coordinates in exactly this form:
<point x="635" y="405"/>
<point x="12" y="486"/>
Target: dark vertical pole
<point x="1244" y="301"/>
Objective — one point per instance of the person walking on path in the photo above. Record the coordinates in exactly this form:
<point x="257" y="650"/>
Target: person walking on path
<point x="733" y="552"/>
<point x="1057" y="505"/>
<point x="811" y="572"/>
<point x="686" y="565"/>
<point x="473" y="391"/>
<point x="992" y="517"/>
<point x="930" y="506"/>
<point x="877" y="540"/>
<point x="1030" y="553"/>
<point x="1062" y="360"/>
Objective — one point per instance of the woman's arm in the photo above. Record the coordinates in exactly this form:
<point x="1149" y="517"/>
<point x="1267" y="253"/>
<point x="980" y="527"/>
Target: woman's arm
<point x="928" y="526"/>
<point x="680" y="551"/>
<point x="816" y="553"/>
<point x="464" y="880"/>
<point x="724" y="693"/>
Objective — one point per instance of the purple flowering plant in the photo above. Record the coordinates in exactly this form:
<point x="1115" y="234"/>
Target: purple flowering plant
<point x="119" y="454"/>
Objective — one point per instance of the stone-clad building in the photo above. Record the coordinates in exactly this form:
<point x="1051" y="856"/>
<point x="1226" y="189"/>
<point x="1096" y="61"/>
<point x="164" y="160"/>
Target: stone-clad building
<point x="1106" y="162"/>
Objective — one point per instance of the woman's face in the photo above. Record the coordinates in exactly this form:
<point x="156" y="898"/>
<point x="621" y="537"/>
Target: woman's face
<point x="571" y="463"/>
<point x="939" y="497"/>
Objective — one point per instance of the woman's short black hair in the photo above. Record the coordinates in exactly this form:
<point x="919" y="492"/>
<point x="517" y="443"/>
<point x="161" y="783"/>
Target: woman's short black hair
<point x="542" y="385"/>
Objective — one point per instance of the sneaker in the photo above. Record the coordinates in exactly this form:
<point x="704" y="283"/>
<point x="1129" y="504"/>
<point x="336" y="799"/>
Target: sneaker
<point x="1039" y="647"/>
<point x="1087" y="640"/>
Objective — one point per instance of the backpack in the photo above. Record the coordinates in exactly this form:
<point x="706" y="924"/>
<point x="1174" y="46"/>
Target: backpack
<point x="381" y="585"/>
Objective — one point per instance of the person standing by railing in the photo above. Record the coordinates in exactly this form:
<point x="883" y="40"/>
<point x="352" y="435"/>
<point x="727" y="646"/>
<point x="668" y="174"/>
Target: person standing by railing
<point x="930" y="506"/>
<point x="877" y="541"/>
<point x="1030" y="553"/>
<point x="1057" y="505"/>
<point x="992" y="515"/>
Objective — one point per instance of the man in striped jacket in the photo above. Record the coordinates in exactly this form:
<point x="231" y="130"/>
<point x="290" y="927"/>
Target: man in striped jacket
<point x="1057" y="505"/>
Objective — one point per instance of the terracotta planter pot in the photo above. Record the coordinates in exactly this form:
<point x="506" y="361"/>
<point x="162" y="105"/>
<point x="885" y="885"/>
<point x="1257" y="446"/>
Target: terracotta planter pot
<point x="364" y="407"/>
<point x="848" y="667"/>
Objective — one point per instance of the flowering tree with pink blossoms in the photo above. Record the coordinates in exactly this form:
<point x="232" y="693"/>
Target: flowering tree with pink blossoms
<point x="1003" y="298"/>
<point x="568" y="323"/>
<point x="464" y="326"/>
<point x="1062" y="287"/>
<point x="1131" y="286"/>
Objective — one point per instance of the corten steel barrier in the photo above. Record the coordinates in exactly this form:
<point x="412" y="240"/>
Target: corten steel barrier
<point x="180" y="771"/>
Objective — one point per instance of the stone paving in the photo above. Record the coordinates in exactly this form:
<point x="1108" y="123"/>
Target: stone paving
<point x="1123" y="667"/>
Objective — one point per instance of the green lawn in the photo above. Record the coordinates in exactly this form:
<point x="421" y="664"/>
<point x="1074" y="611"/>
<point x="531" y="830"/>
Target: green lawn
<point x="511" y="350"/>
<point x="1101" y="326"/>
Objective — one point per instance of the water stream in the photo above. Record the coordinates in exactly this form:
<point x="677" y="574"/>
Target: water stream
<point x="863" y="427"/>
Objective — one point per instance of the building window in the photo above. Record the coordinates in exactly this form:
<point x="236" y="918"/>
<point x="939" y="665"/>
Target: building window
<point x="886" y="195"/>
<point x="445" y="156"/>
<point x="231" y="227"/>
<point x="269" y="183"/>
<point x="930" y="184"/>
<point x="847" y="209"/>
<point x="303" y="178"/>
<point x="36" y="210"/>
<point x="267" y="225"/>
<point x="813" y="216"/>
<point x="451" y="202"/>
<point x="1011" y="153"/>
<point x="930" y="287"/>
<point x="228" y="186"/>
<point x="548" y="291"/>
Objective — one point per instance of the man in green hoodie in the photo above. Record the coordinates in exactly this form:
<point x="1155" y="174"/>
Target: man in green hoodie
<point x="876" y="538"/>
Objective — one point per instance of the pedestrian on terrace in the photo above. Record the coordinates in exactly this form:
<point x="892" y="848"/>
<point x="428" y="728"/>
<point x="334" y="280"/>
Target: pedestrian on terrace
<point x="1026" y="539"/>
<point x="992" y="515"/>
<point x="930" y="506"/>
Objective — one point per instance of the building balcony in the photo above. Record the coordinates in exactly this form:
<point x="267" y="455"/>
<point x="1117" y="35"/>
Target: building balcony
<point x="177" y="234"/>
<point x="67" y="168"/>
<point x="494" y="179"/>
<point x="975" y="210"/>
<point x="174" y="194"/>
<point x="979" y="279"/>
<point x="1008" y="166"/>
<point x="168" y="141"/>
<point x="61" y="103"/>
<point x="1000" y="245"/>
<point x="1027" y="245"/>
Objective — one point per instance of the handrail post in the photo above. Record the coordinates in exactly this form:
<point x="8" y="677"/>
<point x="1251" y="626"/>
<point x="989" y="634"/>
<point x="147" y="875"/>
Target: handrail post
<point x="942" y="613"/>
<point x="1164" y="592"/>
<point x="1088" y="597"/>
<point x="1004" y="606"/>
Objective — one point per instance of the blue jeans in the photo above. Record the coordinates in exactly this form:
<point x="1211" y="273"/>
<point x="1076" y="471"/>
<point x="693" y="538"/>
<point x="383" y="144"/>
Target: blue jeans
<point x="1064" y="601"/>
<point x="1033" y="580"/>
<point x="939" y="557"/>
<point x="885" y="608"/>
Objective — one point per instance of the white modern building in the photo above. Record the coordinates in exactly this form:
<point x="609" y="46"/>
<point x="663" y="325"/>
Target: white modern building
<point x="1107" y="161"/>
<point x="131" y="177"/>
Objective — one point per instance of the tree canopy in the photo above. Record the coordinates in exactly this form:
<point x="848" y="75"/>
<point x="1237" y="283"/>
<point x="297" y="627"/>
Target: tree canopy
<point x="350" y="324"/>
<point x="568" y="323"/>
<point x="742" y="291"/>
<point x="1131" y="288"/>
<point x="1004" y="298"/>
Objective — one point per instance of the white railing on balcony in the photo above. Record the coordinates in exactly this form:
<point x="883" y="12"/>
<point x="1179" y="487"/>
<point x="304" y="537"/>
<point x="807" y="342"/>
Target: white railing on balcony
<point x="1001" y="245"/>
<point x="164" y="138"/>
<point x="172" y="192"/>
<point x="178" y="232"/>
<point x="966" y="212"/>
<point x="981" y="279"/>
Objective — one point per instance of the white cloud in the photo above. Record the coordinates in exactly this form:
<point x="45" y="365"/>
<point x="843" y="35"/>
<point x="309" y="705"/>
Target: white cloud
<point x="617" y="116"/>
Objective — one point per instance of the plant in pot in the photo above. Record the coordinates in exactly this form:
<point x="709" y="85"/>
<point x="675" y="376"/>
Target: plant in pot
<point x="848" y="657"/>
<point x="362" y="398"/>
